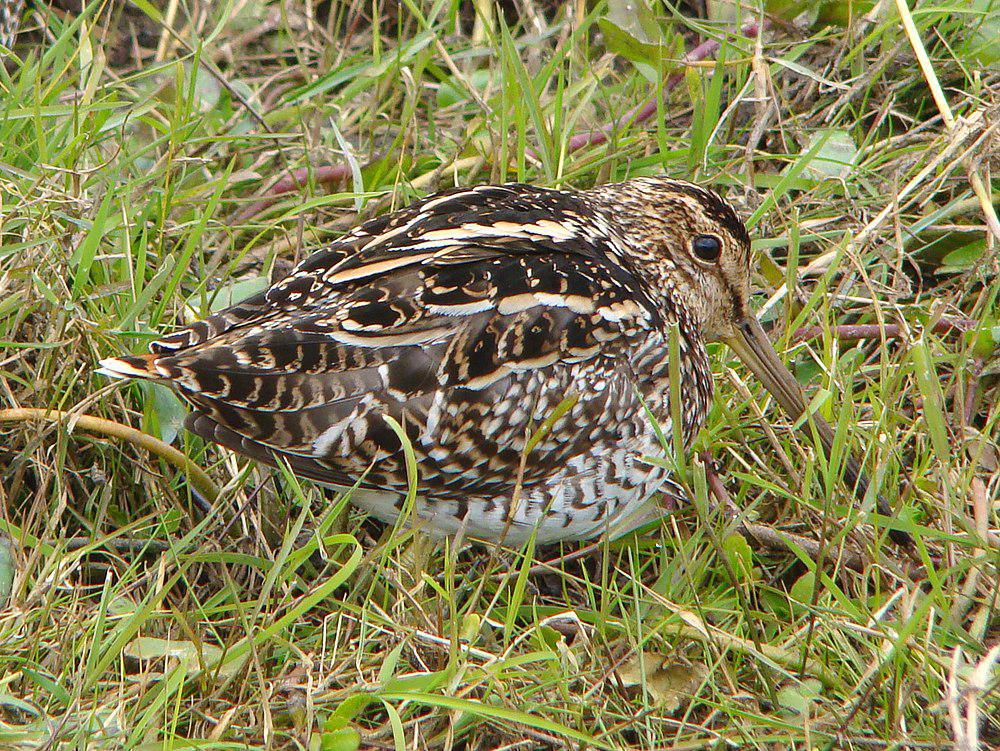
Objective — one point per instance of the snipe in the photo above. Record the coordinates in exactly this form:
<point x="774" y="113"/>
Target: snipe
<point x="469" y="318"/>
<point x="10" y="21"/>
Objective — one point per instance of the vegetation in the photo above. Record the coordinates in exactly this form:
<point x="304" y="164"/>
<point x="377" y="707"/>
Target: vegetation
<point x="159" y="160"/>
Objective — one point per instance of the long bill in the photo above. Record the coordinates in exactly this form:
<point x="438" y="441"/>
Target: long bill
<point x="750" y="343"/>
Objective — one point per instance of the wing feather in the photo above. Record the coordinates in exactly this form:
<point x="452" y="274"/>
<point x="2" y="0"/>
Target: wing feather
<point x="467" y="317"/>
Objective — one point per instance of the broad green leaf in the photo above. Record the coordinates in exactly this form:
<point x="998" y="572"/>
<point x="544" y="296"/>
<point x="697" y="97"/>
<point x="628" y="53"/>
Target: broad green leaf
<point x="799" y="697"/>
<point x="812" y="12"/>
<point x="802" y="589"/>
<point x="168" y="409"/>
<point x="417" y="682"/>
<point x="669" y="683"/>
<point x="834" y="157"/>
<point x="231" y="294"/>
<point x="933" y="399"/>
<point x="84" y="256"/>
<point x="965" y="257"/>
<point x="193" y="656"/>
<point x="7" y="571"/>
<point x="348" y="709"/>
<point x="388" y="668"/>
<point x="345" y="739"/>
<point x="471" y="624"/>
<point x="740" y="556"/>
<point x="981" y="45"/>
<point x="631" y="30"/>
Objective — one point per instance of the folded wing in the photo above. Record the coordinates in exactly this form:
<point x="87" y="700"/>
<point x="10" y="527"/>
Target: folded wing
<point x="467" y="318"/>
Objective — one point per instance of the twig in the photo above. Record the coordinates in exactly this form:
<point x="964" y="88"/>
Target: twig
<point x="968" y="689"/>
<point x="858" y="331"/>
<point x="550" y="565"/>
<point x="100" y="426"/>
<point x="772" y="538"/>
<point x="787" y="542"/>
<point x="117" y="544"/>
<point x="327" y="174"/>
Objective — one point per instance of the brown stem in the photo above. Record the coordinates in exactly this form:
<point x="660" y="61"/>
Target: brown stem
<point x="118" y="545"/>
<point x="325" y="175"/>
<point x="972" y="389"/>
<point x="856" y="331"/>
<point x="335" y="173"/>
<point x="199" y="480"/>
<point x="786" y="542"/>
<point x="774" y="540"/>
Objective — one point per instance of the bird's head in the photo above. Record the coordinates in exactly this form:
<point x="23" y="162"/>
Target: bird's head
<point x="700" y="253"/>
<point x="690" y="246"/>
<point x="693" y="252"/>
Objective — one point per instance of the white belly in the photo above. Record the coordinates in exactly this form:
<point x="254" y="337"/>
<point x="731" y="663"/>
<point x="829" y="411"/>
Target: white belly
<point x="573" y="506"/>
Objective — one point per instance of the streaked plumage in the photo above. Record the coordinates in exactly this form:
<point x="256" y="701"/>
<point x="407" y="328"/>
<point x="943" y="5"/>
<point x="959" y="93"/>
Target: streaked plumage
<point x="468" y="318"/>
<point x="10" y="21"/>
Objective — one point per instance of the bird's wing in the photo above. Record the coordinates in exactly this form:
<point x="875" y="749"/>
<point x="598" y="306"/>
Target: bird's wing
<point x="467" y="319"/>
<point x="449" y="227"/>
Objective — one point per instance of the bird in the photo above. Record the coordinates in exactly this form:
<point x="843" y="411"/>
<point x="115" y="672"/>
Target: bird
<point x="513" y="342"/>
<point x="10" y="21"/>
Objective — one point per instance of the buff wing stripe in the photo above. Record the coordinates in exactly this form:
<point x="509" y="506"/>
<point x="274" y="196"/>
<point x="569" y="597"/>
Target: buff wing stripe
<point x="132" y="366"/>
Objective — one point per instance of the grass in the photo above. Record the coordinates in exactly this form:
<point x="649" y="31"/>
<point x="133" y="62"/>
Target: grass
<point x="136" y="145"/>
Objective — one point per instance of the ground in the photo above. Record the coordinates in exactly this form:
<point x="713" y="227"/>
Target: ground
<point x="160" y="159"/>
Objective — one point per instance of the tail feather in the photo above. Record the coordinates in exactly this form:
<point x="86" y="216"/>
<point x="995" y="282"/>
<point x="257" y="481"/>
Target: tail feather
<point x="131" y="366"/>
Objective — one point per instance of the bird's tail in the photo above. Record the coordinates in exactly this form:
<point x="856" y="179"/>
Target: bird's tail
<point x="131" y="366"/>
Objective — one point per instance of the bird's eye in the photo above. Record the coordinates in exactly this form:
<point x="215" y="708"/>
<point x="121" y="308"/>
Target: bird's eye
<point x="707" y="248"/>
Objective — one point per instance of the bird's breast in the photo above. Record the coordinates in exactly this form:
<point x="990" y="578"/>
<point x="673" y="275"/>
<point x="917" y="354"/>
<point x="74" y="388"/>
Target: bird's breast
<point x="692" y="385"/>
